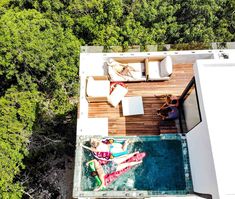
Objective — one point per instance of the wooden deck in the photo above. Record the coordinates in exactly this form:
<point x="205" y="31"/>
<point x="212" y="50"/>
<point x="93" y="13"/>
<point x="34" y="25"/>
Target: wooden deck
<point x="147" y="124"/>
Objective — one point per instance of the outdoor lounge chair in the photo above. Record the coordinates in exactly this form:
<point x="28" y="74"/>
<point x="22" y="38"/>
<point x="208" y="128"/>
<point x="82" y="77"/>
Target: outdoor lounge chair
<point x="97" y="89"/>
<point x="159" y="70"/>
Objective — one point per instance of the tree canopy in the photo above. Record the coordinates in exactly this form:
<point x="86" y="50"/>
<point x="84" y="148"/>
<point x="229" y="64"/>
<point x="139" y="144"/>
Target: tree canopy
<point x="17" y="116"/>
<point x="104" y="22"/>
<point x="37" y="53"/>
<point x="38" y="60"/>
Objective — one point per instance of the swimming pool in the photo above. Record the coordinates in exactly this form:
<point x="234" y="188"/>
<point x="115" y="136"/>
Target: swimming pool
<point x="165" y="169"/>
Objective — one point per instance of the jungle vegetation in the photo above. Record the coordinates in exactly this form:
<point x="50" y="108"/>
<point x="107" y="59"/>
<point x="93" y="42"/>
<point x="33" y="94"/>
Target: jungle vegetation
<point x="39" y="62"/>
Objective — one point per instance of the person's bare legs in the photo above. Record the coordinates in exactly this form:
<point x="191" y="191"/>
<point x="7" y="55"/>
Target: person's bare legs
<point x="121" y="159"/>
<point x="101" y="174"/>
<point x="131" y="68"/>
<point x="127" y="164"/>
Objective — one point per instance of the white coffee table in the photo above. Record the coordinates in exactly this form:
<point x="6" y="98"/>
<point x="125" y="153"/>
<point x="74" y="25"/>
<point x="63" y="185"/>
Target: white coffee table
<point x="132" y="106"/>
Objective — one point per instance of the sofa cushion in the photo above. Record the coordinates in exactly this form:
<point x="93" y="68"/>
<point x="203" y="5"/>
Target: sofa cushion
<point x="97" y="88"/>
<point x="166" y="67"/>
<point x="153" y="70"/>
<point x="117" y="95"/>
<point x="139" y="71"/>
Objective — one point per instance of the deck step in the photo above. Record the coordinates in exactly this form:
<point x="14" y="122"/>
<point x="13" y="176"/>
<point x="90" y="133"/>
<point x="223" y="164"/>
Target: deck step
<point x="167" y="126"/>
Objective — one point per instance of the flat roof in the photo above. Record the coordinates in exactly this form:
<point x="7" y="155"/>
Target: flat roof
<point x="217" y="80"/>
<point x="217" y="84"/>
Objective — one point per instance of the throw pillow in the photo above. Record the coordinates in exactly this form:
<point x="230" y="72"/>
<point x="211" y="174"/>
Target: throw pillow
<point x="166" y="67"/>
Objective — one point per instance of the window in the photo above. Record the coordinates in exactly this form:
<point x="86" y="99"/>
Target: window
<point x="190" y="112"/>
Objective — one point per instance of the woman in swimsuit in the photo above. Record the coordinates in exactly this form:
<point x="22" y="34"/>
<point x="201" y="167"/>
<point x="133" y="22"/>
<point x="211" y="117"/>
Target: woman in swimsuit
<point x="117" y="164"/>
<point x="115" y="148"/>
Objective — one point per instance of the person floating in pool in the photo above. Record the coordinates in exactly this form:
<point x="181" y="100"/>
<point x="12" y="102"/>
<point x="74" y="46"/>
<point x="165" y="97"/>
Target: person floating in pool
<point x="107" y="173"/>
<point x="169" y="110"/>
<point x="108" y="148"/>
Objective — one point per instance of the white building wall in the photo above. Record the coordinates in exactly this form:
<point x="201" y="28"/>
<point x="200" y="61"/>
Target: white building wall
<point x="211" y="143"/>
<point x="201" y="161"/>
<point x="217" y="81"/>
<point x="200" y="153"/>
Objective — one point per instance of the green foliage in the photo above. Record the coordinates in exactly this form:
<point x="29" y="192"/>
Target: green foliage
<point x="4" y="2"/>
<point x="17" y="116"/>
<point x="38" y="56"/>
<point x="37" y="53"/>
<point x="225" y="25"/>
<point x="144" y="22"/>
<point x="97" y="22"/>
<point x="196" y="19"/>
<point x="141" y="22"/>
<point x="158" y="19"/>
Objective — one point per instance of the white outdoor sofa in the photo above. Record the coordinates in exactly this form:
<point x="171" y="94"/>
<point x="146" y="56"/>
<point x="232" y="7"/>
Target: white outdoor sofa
<point x="142" y="69"/>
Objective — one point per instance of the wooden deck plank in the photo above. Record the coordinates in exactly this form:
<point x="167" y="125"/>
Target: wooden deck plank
<point x="147" y="124"/>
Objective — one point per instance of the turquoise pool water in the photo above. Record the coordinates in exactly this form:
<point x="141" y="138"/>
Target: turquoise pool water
<point x="165" y="169"/>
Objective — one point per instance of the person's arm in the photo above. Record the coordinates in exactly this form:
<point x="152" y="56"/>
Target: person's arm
<point x="91" y="149"/>
<point x="164" y="105"/>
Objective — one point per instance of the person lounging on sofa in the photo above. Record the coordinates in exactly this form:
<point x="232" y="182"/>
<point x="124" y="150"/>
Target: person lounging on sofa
<point x="119" y="71"/>
<point x="139" y="69"/>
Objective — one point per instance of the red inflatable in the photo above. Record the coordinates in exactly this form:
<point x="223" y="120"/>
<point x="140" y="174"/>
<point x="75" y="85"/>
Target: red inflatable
<point x="109" y="178"/>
